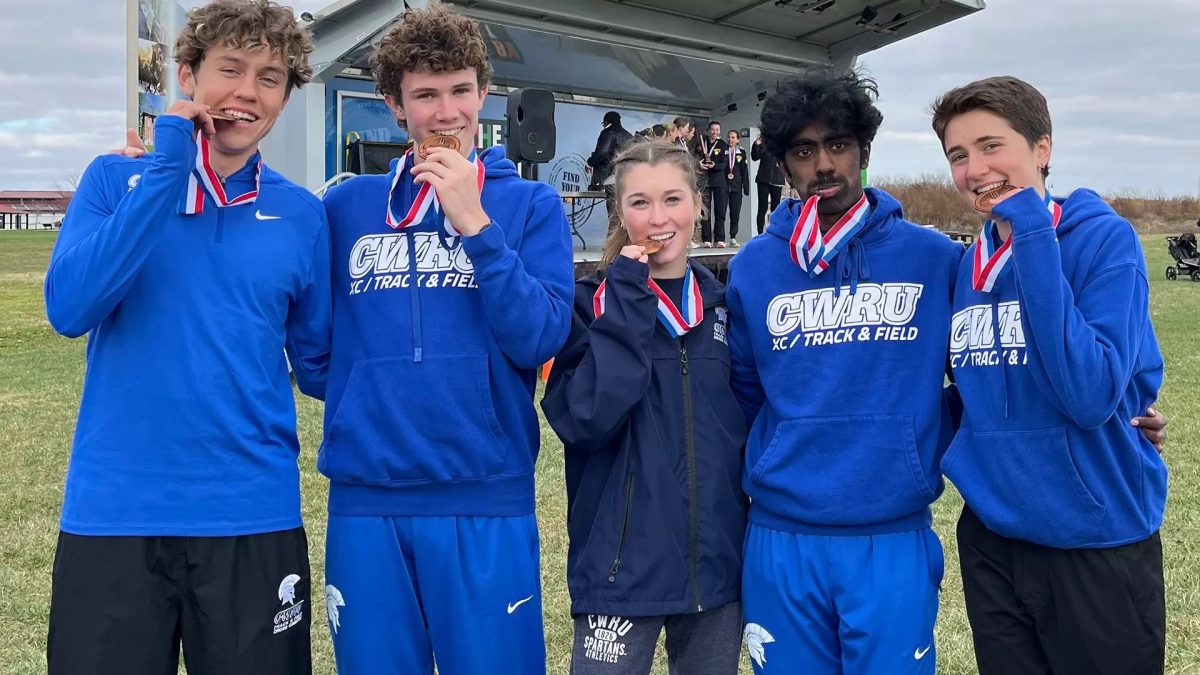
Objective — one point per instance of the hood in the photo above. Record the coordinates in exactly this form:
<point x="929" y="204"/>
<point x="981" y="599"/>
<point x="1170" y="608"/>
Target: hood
<point x="495" y="163"/>
<point x="1081" y="206"/>
<point x="711" y="288"/>
<point x="850" y="264"/>
<point x="884" y="209"/>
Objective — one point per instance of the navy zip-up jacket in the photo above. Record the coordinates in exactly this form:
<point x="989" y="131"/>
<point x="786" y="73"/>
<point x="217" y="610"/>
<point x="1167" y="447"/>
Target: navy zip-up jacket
<point x="653" y="439"/>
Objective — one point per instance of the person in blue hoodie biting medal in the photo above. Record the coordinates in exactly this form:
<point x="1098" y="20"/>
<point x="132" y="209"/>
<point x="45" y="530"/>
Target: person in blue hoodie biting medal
<point x="191" y="270"/>
<point x="1052" y="350"/>
<point x="641" y="398"/>
<point x="451" y="287"/>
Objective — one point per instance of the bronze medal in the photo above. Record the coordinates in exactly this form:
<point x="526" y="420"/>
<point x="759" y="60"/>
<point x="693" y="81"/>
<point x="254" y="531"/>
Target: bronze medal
<point x="217" y="115"/>
<point x="650" y="245"/>
<point x="435" y="141"/>
<point x="730" y="176"/>
<point x="985" y="201"/>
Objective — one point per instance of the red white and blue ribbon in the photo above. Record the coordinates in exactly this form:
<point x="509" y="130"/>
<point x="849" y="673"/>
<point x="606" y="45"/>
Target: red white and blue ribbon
<point x="814" y="252"/>
<point x="204" y="178"/>
<point x="987" y="266"/>
<point x="426" y="197"/>
<point x="677" y="320"/>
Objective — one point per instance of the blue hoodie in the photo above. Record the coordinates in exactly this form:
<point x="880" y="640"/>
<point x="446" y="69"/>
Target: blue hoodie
<point x="187" y="426"/>
<point x="842" y="375"/>
<point x="429" y="407"/>
<point x="1046" y="452"/>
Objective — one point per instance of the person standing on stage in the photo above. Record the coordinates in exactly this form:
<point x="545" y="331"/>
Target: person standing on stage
<point x="768" y="178"/>
<point x="737" y="183"/>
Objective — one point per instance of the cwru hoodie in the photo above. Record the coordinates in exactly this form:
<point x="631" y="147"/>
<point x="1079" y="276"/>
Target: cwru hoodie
<point x="429" y="404"/>
<point x="187" y="425"/>
<point x="842" y="375"/>
<point x="1051" y="366"/>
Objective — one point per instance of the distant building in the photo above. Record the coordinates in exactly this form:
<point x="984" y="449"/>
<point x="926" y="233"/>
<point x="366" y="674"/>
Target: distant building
<point x="33" y="209"/>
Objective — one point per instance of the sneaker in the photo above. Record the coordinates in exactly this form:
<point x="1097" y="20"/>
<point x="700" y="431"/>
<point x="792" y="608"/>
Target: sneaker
<point x="733" y="241"/>
<point x="707" y="244"/>
<point x="720" y="244"/>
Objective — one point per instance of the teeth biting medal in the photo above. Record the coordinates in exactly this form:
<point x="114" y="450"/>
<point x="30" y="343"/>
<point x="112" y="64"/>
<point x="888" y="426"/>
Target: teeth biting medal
<point x="650" y="245"/>
<point x="435" y="141"/>
<point x="985" y="201"/>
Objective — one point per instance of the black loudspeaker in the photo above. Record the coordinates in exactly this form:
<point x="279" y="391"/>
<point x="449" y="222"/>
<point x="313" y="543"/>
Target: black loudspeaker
<point x="530" y="125"/>
<point x="372" y="156"/>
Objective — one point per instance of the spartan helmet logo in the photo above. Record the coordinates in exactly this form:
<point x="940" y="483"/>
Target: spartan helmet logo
<point x="287" y="589"/>
<point x="333" y="600"/>
<point x="757" y="638"/>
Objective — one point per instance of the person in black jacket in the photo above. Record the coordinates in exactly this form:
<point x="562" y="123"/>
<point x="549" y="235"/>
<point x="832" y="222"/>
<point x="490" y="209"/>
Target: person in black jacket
<point x="612" y="138"/>
<point x="640" y="397"/>
<point x="712" y="155"/>
<point x="769" y="180"/>
<point x="737" y="183"/>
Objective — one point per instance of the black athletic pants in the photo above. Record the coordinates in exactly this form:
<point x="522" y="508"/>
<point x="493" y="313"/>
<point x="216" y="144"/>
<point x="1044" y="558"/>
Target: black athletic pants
<point x="768" y="199"/>
<point x="718" y="199"/>
<point x="239" y="605"/>
<point x="735" y="212"/>
<point x="1046" y="611"/>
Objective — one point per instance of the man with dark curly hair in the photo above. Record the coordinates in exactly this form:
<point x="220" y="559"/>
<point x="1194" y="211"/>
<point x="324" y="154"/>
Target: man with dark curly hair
<point x="191" y="270"/>
<point x="839" y="322"/>
<point x="452" y="285"/>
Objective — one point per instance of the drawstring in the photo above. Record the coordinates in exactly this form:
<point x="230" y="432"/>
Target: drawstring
<point x="844" y="268"/>
<point x="1000" y="350"/>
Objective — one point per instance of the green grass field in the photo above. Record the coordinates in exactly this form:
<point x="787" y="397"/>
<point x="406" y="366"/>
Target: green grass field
<point x="41" y="374"/>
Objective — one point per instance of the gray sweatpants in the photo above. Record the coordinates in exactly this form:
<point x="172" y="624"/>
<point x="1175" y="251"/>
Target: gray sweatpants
<point x="707" y="643"/>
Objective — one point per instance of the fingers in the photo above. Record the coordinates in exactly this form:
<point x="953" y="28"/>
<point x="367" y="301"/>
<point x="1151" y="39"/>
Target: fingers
<point x="635" y="252"/>
<point x="132" y="140"/>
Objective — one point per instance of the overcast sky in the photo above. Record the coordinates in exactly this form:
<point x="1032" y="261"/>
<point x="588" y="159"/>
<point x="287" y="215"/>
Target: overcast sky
<point x="1121" y="78"/>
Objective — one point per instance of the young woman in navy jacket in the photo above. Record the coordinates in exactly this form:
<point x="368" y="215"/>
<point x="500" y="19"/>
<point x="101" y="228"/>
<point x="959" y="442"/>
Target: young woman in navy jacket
<point x="640" y="397"/>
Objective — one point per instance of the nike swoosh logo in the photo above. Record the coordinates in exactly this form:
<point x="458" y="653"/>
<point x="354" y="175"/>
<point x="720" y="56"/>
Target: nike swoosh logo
<point x="512" y="606"/>
<point x="259" y="215"/>
<point x="919" y="654"/>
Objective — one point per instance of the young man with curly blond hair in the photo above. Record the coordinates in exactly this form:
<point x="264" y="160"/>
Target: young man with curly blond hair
<point x="452" y="285"/>
<point x="191" y="269"/>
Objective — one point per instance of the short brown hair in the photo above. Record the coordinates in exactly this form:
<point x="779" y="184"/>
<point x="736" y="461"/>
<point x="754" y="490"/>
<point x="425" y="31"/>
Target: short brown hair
<point x="644" y="151"/>
<point x="1014" y="100"/>
<point x="246" y="24"/>
<point x="435" y="39"/>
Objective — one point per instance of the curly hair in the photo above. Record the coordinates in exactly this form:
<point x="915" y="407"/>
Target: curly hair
<point x="653" y="152"/>
<point x="435" y="39"/>
<point x="246" y="24"/>
<point x="844" y="103"/>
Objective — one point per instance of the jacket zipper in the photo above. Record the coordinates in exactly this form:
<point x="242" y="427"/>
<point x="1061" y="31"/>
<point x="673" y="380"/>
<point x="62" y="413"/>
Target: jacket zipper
<point x="616" y="564"/>
<point x="691" y="462"/>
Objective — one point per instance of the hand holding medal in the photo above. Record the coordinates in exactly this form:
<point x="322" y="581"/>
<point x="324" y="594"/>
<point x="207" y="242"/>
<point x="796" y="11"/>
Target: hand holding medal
<point x="456" y="181"/>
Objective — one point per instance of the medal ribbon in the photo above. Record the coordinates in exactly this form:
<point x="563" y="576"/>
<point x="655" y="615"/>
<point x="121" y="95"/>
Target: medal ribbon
<point x="813" y="252"/>
<point x="677" y="322"/>
<point x="426" y="197"/>
<point x="204" y="179"/>
<point x="985" y="267"/>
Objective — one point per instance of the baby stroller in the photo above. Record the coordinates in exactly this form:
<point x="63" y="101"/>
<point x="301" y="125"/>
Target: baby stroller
<point x="1187" y="259"/>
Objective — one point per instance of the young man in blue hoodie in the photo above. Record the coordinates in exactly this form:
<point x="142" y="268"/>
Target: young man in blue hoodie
<point x="452" y="285"/>
<point x="190" y="270"/>
<point x="1052" y="350"/>
<point x="839" y="319"/>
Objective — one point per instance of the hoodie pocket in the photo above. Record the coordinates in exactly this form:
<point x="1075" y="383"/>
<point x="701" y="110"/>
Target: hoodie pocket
<point x="444" y="429"/>
<point x="843" y="471"/>
<point x="1024" y="484"/>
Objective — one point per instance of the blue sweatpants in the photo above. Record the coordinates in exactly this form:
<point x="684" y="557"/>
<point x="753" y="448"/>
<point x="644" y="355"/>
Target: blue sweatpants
<point x="857" y="605"/>
<point x="404" y="592"/>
